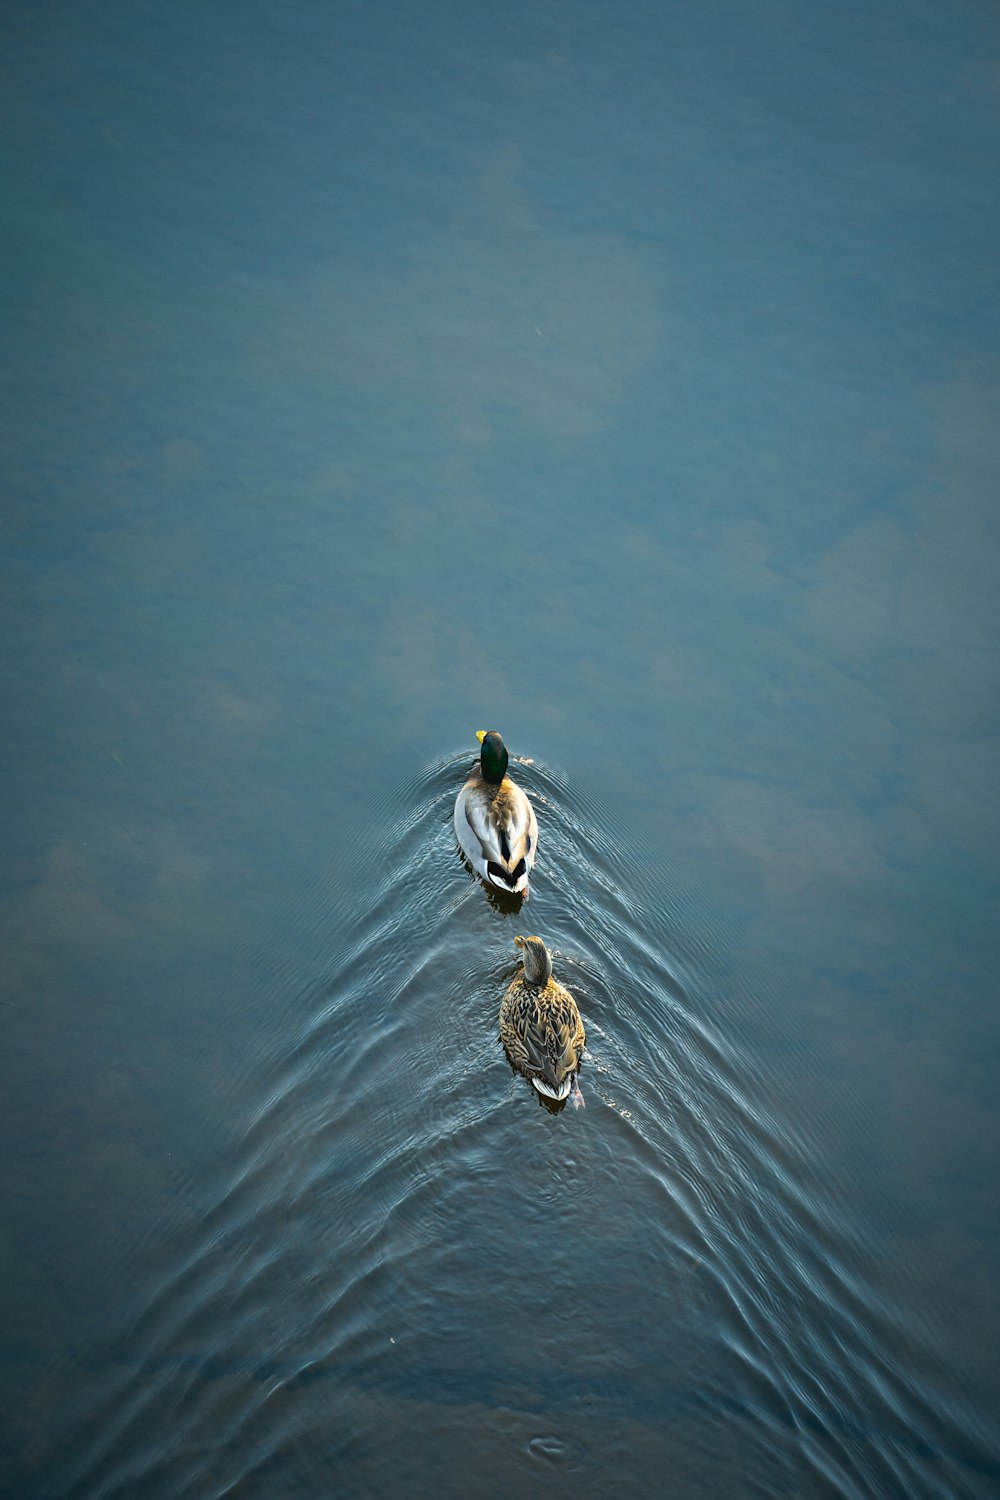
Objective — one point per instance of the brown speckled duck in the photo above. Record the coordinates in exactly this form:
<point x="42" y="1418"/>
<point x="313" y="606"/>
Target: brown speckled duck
<point x="540" y="1026"/>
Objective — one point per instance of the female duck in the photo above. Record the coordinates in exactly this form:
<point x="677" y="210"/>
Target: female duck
<point x="540" y="1026"/>
<point x="494" y="821"/>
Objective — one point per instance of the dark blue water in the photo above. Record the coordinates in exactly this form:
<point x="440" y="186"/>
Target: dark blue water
<point x="624" y="378"/>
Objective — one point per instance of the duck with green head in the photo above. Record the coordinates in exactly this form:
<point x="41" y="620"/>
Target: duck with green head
<point x="540" y="1026"/>
<point x="494" y="821"/>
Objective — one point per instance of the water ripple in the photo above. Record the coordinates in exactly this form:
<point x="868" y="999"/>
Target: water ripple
<point x="403" y="1226"/>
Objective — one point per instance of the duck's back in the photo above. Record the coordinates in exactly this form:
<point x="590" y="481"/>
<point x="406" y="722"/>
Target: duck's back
<point x="541" y="1025"/>
<point x="496" y="830"/>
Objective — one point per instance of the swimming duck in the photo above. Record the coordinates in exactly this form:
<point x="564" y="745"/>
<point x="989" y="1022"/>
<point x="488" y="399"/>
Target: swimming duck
<point x="494" y="821"/>
<point x="540" y="1025"/>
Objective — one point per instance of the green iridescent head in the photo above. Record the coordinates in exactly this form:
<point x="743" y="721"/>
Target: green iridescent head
<point x="493" y="756"/>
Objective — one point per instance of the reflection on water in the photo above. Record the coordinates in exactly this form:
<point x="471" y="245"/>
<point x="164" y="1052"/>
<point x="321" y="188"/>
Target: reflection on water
<point x="623" y="377"/>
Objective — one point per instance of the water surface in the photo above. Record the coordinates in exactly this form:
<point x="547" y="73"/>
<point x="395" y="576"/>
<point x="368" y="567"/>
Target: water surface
<point x="624" y="379"/>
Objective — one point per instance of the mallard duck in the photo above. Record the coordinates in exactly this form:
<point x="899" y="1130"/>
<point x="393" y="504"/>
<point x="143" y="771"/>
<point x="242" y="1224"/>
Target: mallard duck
<point x="540" y="1025"/>
<point x="494" y="821"/>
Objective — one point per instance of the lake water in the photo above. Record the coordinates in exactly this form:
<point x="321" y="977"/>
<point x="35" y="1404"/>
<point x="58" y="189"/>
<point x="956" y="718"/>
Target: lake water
<point x="624" y="378"/>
